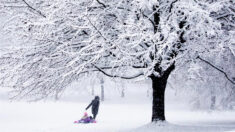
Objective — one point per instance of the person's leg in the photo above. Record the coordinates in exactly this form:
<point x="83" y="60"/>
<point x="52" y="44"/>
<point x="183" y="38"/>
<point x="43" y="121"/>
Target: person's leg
<point x="94" y="116"/>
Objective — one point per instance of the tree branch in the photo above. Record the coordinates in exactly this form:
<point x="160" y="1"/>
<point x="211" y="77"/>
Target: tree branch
<point x="225" y="74"/>
<point x="152" y="22"/>
<point x="29" y="6"/>
<point x="108" y="67"/>
<point x="169" y="69"/>
<point x="101" y="3"/>
<point x="96" y="28"/>
<point x="171" y="6"/>
<point x="116" y="76"/>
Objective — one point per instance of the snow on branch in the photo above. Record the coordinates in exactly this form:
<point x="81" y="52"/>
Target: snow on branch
<point x="29" y="6"/>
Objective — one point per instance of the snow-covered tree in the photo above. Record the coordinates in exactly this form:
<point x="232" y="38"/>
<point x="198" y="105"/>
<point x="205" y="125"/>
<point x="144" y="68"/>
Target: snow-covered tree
<point x="206" y="85"/>
<point x="212" y="79"/>
<point x="62" y="40"/>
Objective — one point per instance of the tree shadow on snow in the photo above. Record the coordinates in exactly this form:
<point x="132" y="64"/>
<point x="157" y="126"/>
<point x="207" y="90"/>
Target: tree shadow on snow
<point x="169" y="127"/>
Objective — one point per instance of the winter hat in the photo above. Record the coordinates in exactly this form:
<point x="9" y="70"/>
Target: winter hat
<point x="97" y="97"/>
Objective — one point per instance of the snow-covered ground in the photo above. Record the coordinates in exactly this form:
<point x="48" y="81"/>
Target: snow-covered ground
<point x="116" y="114"/>
<point x="113" y="117"/>
<point x="59" y="117"/>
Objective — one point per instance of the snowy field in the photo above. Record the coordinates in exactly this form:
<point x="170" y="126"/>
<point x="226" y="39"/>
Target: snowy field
<point x="116" y="114"/>
<point x="112" y="117"/>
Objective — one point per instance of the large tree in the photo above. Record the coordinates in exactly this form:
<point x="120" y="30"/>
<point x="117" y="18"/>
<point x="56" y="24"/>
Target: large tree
<point x="62" y="40"/>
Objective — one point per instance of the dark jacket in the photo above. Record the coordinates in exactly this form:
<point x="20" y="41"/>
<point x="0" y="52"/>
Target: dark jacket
<point x="94" y="105"/>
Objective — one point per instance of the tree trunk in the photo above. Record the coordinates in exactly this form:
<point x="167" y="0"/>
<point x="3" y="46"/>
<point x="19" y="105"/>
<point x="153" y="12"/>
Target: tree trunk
<point x="123" y="90"/>
<point x="213" y="99"/>
<point x="92" y="89"/>
<point x="123" y="93"/>
<point x="158" y="109"/>
<point x="159" y="87"/>
<point x="102" y="89"/>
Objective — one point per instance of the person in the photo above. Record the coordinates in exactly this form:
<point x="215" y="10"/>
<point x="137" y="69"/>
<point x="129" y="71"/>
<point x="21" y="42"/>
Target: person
<point x="85" y="115"/>
<point x="95" y="106"/>
<point x="85" y="119"/>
